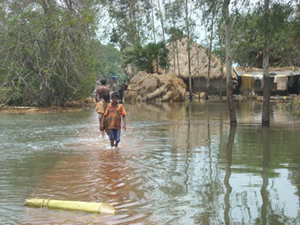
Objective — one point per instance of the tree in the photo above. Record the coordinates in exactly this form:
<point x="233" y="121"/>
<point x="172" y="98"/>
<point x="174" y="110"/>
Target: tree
<point x="248" y="41"/>
<point x="295" y="38"/>
<point x="145" y="57"/>
<point x="153" y="21"/>
<point x="107" y="61"/>
<point x="128" y="18"/>
<point x="211" y="29"/>
<point x="188" y="29"/>
<point x="161" y="17"/>
<point x="210" y="15"/>
<point x="45" y="54"/>
<point x="179" y="14"/>
<point x="229" y="92"/>
<point x="173" y="14"/>
<point x="266" y="101"/>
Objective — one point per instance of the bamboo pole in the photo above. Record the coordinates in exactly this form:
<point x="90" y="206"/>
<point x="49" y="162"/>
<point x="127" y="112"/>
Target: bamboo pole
<point x="71" y="205"/>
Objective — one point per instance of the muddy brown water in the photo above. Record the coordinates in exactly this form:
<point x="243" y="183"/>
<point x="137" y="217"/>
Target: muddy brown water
<point x="178" y="163"/>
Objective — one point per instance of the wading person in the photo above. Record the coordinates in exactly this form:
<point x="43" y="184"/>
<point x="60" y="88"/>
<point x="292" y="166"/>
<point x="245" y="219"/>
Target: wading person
<point x="114" y="114"/>
<point x="102" y="100"/>
<point x="121" y="91"/>
<point x="100" y="109"/>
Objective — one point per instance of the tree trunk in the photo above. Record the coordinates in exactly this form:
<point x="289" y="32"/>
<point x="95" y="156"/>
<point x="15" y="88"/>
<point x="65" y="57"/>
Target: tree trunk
<point x="161" y="21"/>
<point x="176" y="43"/>
<point x="156" y="69"/>
<point x="133" y="23"/>
<point x="267" y="91"/>
<point x="45" y="91"/>
<point x="162" y="27"/>
<point x="45" y="96"/>
<point x="209" y="68"/>
<point x="223" y="77"/>
<point x="188" y="48"/>
<point x="229" y="91"/>
<point x="177" y="56"/>
<point x="174" y="57"/>
<point x="209" y="54"/>
<point x="152" y="25"/>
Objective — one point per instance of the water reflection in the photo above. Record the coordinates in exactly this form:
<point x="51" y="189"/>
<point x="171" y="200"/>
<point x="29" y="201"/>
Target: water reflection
<point x="179" y="163"/>
<point x="265" y="169"/>
<point x="95" y="176"/>
<point x="228" y="173"/>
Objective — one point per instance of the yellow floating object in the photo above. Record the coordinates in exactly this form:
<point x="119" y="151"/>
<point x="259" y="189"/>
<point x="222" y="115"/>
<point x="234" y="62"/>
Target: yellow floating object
<point x="71" y="205"/>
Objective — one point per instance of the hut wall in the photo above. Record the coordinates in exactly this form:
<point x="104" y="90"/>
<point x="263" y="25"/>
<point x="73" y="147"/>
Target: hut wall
<point x="216" y="85"/>
<point x="282" y="82"/>
<point x="249" y="84"/>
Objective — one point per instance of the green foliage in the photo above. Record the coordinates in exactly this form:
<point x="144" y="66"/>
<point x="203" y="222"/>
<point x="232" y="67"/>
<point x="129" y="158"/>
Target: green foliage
<point x="144" y="57"/>
<point x="108" y="61"/>
<point x="295" y="38"/>
<point x="129" y="18"/>
<point x="247" y="39"/>
<point x="175" y="34"/>
<point x="46" y="56"/>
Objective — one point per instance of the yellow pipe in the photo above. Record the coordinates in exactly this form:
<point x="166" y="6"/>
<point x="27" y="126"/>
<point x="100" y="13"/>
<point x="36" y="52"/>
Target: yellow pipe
<point x="71" y="205"/>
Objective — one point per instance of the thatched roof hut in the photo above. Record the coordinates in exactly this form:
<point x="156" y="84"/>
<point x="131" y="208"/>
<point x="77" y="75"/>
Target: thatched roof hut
<point x="203" y="80"/>
<point x="178" y="56"/>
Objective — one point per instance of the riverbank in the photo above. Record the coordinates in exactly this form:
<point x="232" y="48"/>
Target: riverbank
<point x="71" y="106"/>
<point x="241" y="97"/>
<point x="86" y="104"/>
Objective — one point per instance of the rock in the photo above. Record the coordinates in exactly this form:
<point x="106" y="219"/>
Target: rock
<point x="162" y="87"/>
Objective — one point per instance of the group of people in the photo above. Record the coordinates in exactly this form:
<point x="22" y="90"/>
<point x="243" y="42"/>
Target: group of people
<point x="110" y="111"/>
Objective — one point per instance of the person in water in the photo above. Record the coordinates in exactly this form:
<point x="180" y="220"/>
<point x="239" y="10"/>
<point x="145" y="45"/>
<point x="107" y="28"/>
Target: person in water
<point x="101" y="90"/>
<point x="100" y="109"/>
<point x="123" y="87"/>
<point x="114" y="113"/>
<point x="102" y="99"/>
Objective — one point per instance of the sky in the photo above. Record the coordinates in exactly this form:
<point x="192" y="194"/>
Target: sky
<point x="200" y="32"/>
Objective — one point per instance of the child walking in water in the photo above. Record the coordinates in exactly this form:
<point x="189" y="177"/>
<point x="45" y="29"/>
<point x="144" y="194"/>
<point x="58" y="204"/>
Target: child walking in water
<point x="114" y="112"/>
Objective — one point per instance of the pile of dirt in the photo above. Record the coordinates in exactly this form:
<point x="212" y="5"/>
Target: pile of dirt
<point x="160" y="87"/>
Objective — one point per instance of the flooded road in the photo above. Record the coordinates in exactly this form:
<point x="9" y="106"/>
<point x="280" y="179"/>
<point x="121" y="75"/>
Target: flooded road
<point x="178" y="163"/>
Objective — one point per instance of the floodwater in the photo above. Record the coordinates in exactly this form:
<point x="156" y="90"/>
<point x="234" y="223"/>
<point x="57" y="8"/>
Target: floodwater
<point x="178" y="163"/>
